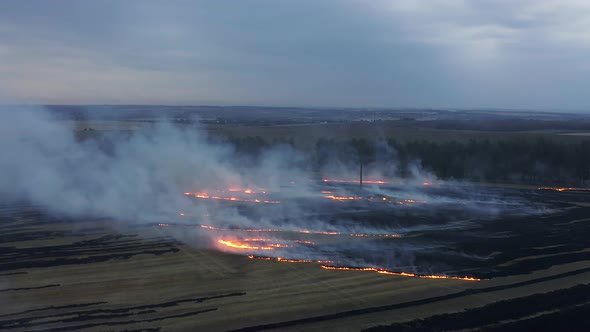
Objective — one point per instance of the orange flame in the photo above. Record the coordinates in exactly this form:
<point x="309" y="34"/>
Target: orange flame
<point x="401" y="274"/>
<point x="303" y="231"/>
<point x="239" y="229"/>
<point x="561" y="189"/>
<point x="363" y="269"/>
<point x="343" y="198"/>
<point x="242" y="245"/>
<point x="373" y="198"/>
<point x="220" y="195"/>
<point x="304" y="242"/>
<point x="286" y="260"/>
<point x="247" y="190"/>
<point x="290" y="260"/>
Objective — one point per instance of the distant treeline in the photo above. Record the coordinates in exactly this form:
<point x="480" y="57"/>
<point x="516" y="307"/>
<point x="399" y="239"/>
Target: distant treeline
<point x="508" y="124"/>
<point x="511" y="160"/>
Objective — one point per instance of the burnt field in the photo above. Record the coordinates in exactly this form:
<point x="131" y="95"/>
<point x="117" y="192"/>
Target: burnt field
<point x="438" y="229"/>
<point x="170" y="229"/>
<point x="526" y="245"/>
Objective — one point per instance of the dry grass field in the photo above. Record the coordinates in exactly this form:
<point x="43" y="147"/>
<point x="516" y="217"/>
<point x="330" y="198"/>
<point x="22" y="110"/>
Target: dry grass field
<point x="98" y="275"/>
<point x="61" y="274"/>
<point x="306" y="136"/>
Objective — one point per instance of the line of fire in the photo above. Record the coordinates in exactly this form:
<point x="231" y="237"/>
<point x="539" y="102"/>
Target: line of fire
<point x="289" y="244"/>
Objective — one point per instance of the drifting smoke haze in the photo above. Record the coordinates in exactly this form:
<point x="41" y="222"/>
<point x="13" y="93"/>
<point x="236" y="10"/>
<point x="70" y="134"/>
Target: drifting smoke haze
<point x="127" y="177"/>
<point x="175" y="176"/>
<point x="43" y="162"/>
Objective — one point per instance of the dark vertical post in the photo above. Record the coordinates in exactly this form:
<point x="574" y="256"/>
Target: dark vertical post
<point x="361" y="174"/>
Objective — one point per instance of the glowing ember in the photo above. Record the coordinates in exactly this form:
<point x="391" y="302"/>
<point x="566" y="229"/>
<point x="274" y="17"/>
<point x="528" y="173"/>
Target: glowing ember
<point x="243" y="245"/>
<point x="304" y="242"/>
<point x="231" y="198"/>
<point x="563" y="189"/>
<point x="400" y="274"/>
<point x="304" y="231"/>
<point x="247" y="191"/>
<point x="239" y="229"/>
<point x="252" y="244"/>
<point x="373" y="198"/>
<point x="262" y="258"/>
<point x="209" y="227"/>
<point x="343" y="198"/>
<point x="278" y="245"/>
<point x="375" y="235"/>
<point x="364" y="269"/>
<point x="286" y="260"/>
<point x="262" y="242"/>
<point x="276" y="230"/>
<point x="290" y="260"/>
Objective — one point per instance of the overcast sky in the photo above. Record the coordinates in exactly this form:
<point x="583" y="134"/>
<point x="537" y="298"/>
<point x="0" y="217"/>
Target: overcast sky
<point x="529" y="54"/>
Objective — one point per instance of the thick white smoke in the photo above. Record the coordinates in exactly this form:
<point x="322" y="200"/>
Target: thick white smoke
<point x="141" y="177"/>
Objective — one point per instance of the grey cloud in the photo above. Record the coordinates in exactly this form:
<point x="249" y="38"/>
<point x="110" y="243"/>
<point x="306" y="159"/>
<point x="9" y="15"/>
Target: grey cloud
<point x="504" y="54"/>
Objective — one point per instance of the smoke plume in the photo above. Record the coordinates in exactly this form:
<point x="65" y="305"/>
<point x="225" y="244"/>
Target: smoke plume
<point x="275" y="206"/>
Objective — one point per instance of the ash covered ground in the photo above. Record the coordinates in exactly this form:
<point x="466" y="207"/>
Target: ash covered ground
<point x="166" y="227"/>
<point x="426" y="229"/>
<point x="275" y="204"/>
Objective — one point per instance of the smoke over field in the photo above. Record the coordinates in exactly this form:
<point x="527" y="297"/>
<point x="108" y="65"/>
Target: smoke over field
<point x="274" y="206"/>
